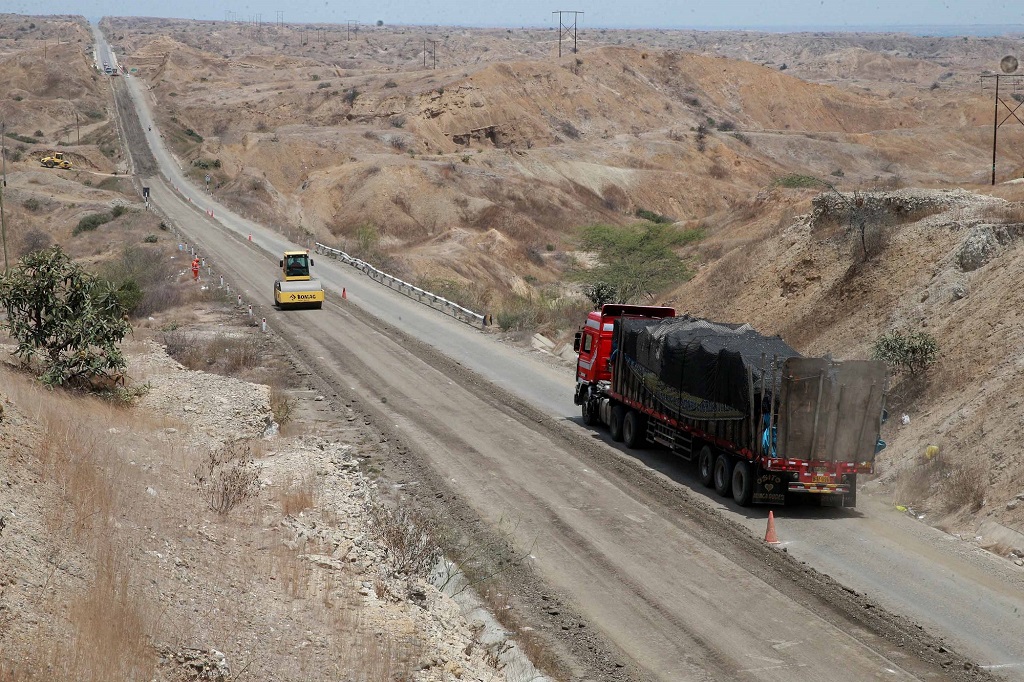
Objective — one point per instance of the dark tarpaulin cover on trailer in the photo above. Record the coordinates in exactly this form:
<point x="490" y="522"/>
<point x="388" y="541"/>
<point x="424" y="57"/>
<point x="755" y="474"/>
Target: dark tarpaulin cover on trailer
<point x="699" y="368"/>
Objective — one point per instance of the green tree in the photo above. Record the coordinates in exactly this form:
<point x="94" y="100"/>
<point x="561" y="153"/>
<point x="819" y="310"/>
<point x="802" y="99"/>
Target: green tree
<point x="64" y="317"/>
<point x="600" y="293"/>
<point x="913" y="352"/>
<point x="635" y="261"/>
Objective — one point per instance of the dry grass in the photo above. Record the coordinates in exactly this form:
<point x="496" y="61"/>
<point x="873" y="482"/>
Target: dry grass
<point x="1004" y="213"/>
<point x="108" y="623"/>
<point x="222" y="353"/>
<point x="300" y="496"/>
<point x="951" y="482"/>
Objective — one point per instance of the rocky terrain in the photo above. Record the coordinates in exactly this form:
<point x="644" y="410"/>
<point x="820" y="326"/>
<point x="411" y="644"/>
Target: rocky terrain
<point x="117" y="566"/>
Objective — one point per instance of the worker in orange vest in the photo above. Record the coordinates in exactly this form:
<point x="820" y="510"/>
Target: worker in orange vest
<point x="195" y="268"/>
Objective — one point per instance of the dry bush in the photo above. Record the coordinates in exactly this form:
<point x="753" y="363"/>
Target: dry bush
<point x="228" y="477"/>
<point x="718" y="171"/>
<point x="410" y="537"/>
<point x="223" y="353"/>
<point x="472" y="295"/>
<point x="614" y="198"/>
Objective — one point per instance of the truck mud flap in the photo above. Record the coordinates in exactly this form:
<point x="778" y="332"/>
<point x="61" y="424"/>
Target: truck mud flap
<point x="769" y="487"/>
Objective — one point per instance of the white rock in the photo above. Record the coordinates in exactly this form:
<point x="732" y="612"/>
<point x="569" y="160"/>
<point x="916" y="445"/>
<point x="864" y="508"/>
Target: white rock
<point x="151" y="492"/>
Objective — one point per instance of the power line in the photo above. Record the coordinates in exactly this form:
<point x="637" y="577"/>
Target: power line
<point x="565" y="28"/>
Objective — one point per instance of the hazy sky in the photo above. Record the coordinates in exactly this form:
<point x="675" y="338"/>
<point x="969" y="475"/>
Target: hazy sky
<point x="598" y="13"/>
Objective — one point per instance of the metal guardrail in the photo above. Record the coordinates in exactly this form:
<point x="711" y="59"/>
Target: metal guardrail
<point x="414" y="292"/>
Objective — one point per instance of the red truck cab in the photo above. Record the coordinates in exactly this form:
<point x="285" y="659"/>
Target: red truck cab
<point x="594" y="341"/>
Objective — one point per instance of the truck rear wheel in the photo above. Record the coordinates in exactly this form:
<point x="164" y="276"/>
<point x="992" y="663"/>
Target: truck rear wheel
<point x="723" y="475"/>
<point x="615" y="427"/>
<point x="633" y="429"/>
<point x="743" y="483"/>
<point x="706" y="466"/>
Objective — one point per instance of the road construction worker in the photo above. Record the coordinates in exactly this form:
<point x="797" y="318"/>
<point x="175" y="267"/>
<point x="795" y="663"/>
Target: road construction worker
<point x="195" y="268"/>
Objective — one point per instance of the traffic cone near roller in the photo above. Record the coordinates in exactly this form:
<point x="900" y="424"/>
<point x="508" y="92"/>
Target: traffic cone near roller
<point x="344" y="294"/>
<point x="250" y="237"/>
<point x="769" y="536"/>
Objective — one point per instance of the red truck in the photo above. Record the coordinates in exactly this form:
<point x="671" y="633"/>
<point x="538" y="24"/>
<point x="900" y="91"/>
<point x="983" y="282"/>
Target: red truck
<point x="762" y="423"/>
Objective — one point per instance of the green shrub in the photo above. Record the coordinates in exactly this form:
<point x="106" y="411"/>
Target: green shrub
<point x="910" y="353"/>
<point x="390" y="84"/>
<point x="797" y="181"/>
<point x="653" y="217"/>
<point x="91" y="222"/>
<point x="150" y="239"/>
<point x="31" y="204"/>
<point x="25" y="138"/>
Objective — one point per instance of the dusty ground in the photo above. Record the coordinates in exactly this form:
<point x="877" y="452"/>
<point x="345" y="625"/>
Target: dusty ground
<point x="118" y="568"/>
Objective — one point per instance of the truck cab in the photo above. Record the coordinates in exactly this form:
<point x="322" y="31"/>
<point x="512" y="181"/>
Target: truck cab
<point x="594" y="342"/>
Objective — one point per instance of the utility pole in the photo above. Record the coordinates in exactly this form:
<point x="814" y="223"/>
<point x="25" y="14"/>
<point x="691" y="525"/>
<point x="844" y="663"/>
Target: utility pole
<point x="3" y="184"/>
<point x="280" y="18"/>
<point x="1016" y="81"/>
<point x="433" y="52"/>
<point x="566" y="29"/>
<point x="348" y="29"/>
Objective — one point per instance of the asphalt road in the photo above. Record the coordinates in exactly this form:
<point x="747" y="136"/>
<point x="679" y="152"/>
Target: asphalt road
<point x="638" y="557"/>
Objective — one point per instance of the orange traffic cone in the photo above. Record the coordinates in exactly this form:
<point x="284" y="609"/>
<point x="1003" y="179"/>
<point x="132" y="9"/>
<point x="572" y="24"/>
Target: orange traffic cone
<point x="769" y="536"/>
<point x="344" y="294"/>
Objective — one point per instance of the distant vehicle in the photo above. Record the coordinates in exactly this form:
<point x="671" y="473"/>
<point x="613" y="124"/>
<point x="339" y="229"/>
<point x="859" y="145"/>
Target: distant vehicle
<point x="57" y="160"/>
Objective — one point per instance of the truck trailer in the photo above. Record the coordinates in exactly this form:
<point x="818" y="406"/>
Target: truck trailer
<point x="762" y="423"/>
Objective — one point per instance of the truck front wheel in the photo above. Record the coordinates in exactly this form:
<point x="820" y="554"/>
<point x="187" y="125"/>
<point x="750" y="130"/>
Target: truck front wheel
<point x="589" y="411"/>
<point x="633" y="429"/>
<point x="615" y="427"/>
<point x="723" y="475"/>
<point x="743" y="483"/>
<point x="706" y="466"/>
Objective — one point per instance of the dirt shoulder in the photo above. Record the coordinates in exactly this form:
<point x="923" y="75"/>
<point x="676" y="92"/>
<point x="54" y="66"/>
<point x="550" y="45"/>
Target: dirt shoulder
<point x="115" y="565"/>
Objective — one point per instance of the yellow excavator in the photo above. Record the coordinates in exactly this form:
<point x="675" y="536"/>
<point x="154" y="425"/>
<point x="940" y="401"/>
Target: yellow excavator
<point x="56" y="160"/>
<point x="296" y="288"/>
